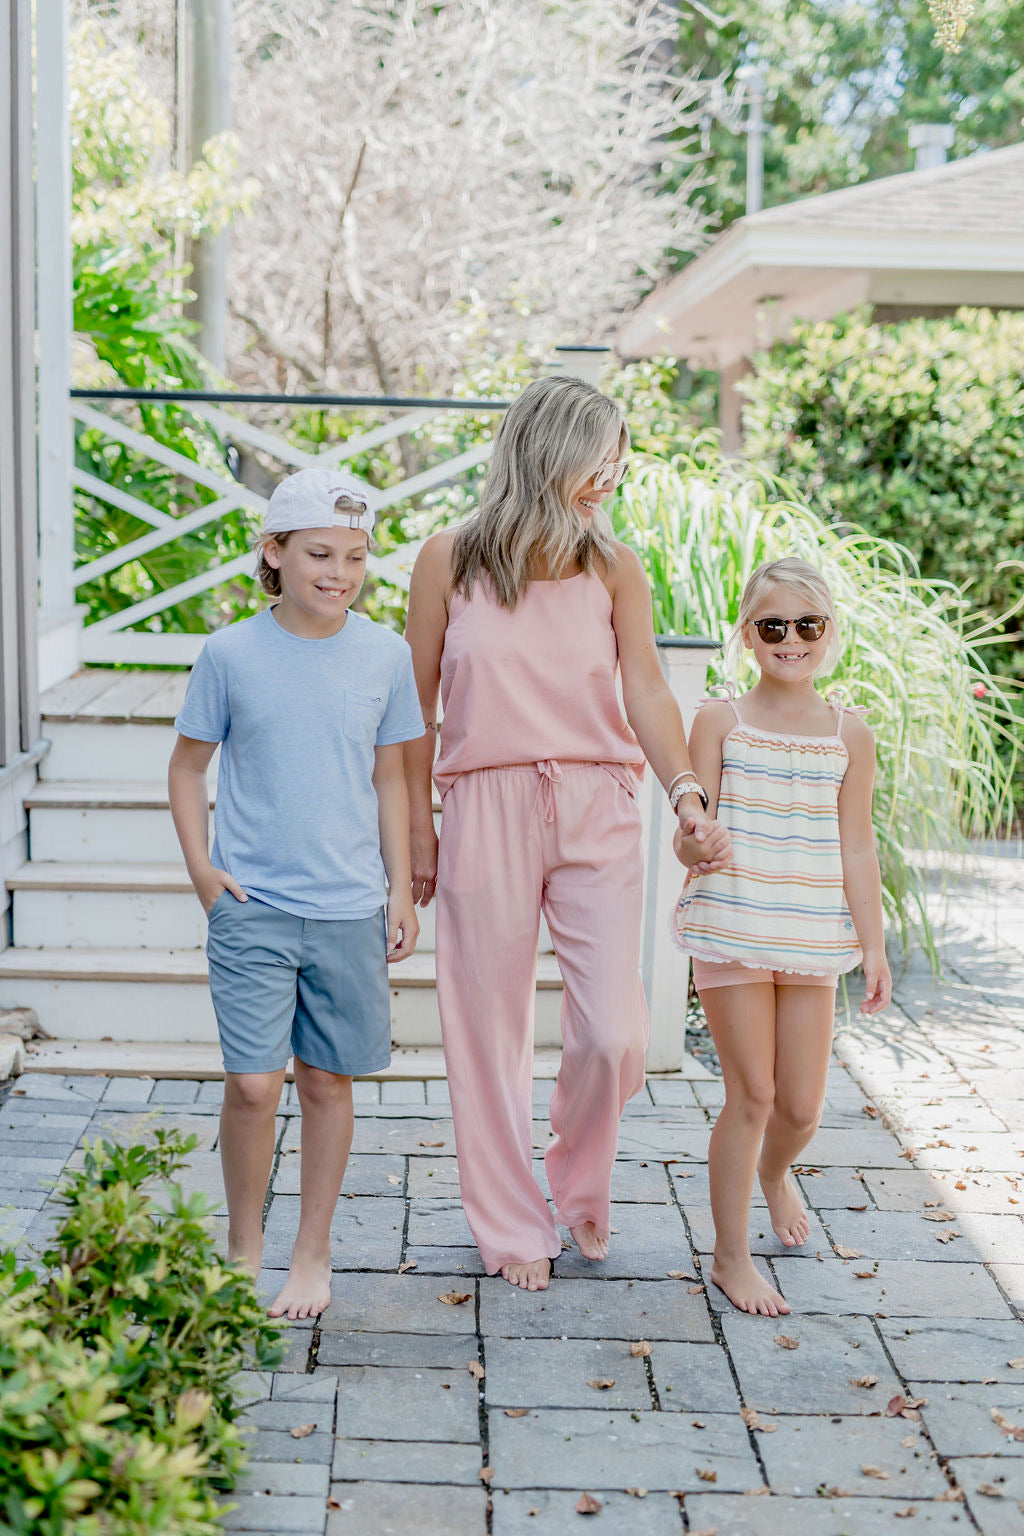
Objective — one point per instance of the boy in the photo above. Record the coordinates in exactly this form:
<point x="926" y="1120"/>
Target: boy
<point x="311" y="704"/>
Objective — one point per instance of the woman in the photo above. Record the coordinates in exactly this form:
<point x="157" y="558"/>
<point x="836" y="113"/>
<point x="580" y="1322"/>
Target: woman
<point x="520" y="618"/>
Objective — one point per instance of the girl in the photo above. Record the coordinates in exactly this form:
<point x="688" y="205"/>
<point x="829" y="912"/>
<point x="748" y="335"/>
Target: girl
<point x="522" y="617"/>
<point x="800" y="903"/>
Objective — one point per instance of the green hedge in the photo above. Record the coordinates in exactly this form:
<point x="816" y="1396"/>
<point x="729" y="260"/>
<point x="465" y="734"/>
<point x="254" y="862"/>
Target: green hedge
<point x="118" y="1398"/>
<point x="914" y="431"/>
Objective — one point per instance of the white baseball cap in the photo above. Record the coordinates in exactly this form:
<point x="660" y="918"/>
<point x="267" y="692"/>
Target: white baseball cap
<point x="306" y="500"/>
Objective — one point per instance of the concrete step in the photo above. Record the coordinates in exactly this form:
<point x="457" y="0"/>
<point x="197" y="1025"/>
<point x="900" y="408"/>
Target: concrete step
<point x="162" y="995"/>
<point x="63" y="905"/>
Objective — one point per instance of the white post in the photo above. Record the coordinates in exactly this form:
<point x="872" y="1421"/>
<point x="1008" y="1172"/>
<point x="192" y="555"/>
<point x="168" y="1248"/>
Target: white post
<point x="664" y="970"/>
<point x="59" y="620"/>
<point x="581" y="362"/>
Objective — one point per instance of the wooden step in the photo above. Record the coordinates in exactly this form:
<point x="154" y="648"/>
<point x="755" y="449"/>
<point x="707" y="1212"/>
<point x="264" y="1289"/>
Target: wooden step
<point x="100" y="877"/>
<point x="150" y="695"/>
<point x="97" y="795"/>
<point x="162" y="995"/>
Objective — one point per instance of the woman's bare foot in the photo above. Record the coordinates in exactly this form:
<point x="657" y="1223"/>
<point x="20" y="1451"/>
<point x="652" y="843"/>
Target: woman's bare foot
<point x="531" y="1275"/>
<point x="307" y="1291"/>
<point x="786" y="1210"/>
<point x="746" y="1288"/>
<point x="587" y="1241"/>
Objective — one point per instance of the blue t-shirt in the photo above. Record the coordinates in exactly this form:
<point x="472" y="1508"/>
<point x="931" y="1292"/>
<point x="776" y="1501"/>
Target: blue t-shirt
<point x="296" y="815"/>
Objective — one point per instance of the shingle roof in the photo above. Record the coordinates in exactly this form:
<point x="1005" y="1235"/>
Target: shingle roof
<point x="984" y="192"/>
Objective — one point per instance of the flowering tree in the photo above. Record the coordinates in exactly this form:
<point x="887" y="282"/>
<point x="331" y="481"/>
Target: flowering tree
<point x="438" y="174"/>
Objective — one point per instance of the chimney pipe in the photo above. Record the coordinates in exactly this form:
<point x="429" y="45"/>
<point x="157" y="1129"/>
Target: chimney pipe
<point x="930" y="140"/>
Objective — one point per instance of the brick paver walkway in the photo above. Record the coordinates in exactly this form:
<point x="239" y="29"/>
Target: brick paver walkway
<point x="910" y="1287"/>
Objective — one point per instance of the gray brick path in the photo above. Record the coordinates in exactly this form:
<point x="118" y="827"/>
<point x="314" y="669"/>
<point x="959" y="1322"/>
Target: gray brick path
<point x="720" y="1426"/>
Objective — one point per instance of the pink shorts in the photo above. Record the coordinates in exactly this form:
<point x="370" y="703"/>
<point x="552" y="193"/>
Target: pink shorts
<point x="709" y="973"/>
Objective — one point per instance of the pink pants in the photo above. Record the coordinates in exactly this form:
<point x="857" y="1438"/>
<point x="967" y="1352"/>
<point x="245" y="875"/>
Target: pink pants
<point x="564" y="838"/>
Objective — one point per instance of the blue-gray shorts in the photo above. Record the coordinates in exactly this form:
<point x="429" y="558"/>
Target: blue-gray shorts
<point x="298" y="986"/>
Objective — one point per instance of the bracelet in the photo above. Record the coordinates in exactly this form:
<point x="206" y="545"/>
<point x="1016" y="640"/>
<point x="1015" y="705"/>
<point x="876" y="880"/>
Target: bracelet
<point x="687" y="773"/>
<point x="686" y="785"/>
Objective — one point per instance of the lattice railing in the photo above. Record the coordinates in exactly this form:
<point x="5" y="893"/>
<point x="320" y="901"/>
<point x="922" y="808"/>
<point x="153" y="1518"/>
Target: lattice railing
<point x="114" y="637"/>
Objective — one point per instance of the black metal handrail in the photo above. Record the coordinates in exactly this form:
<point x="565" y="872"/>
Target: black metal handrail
<point x="244" y="397"/>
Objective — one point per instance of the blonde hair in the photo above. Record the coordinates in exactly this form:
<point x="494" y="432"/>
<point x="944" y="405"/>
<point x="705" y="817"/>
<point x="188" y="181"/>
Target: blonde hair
<point x="551" y="441"/>
<point x="801" y="578"/>
<point x="268" y="576"/>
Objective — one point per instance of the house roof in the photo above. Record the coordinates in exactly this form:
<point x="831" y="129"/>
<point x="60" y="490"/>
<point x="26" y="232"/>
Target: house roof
<point x="947" y="236"/>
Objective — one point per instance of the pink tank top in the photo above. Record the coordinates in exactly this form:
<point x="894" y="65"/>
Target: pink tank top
<point x="533" y="683"/>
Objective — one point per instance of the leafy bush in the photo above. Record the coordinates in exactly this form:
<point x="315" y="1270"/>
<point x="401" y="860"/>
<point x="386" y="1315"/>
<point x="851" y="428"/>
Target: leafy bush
<point x="914" y="431"/>
<point x="117" y="1405"/>
<point x="912" y="648"/>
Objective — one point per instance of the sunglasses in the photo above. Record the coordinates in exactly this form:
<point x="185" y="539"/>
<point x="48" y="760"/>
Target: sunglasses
<point x="774" y="631"/>
<point x="610" y="475"/>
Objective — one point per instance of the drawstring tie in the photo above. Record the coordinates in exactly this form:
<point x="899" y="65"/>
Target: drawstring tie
<point x="550" y="774"/>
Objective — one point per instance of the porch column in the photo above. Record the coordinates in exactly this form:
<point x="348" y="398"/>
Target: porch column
<point x="664" y="970"/>
<point x="19" y="706"/>
<point x="58" y="620"/>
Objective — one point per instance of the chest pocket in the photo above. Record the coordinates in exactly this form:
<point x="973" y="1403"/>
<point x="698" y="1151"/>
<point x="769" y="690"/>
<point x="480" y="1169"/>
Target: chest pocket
<point x="362" y="716"/>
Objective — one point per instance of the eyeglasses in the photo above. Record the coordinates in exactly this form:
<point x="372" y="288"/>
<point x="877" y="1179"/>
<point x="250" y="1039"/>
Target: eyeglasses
<point x="774" y="631"/>
<point x="610" y="475"/>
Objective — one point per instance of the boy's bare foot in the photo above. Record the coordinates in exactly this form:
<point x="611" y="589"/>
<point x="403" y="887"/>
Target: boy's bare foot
<point x="587" y="1241"/>
<point x="747" y="1289"/>
<point x="250" y="1257"/>
<point x="307" y="1291"/>
<point x="531" y="1275"/>
<point x="786" y="1210"/>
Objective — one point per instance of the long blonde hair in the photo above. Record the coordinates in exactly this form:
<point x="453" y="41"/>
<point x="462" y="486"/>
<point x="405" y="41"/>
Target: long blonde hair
<point x="800" y="577"/>
<point x="550" y="443"/>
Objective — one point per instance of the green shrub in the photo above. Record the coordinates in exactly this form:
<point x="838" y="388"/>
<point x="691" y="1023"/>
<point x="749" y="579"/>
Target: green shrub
<point x="118" y="1407"/>
<point x="912" y="652"/>
<point x="913" y="431"/>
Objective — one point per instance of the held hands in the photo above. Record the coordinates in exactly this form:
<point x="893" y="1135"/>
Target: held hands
<point x="423" y="846"/>
<point x="700" y="843"/>
<point x="211" y="882"/>
<point x="403" y="926"/>
<point x="877" y="982"/>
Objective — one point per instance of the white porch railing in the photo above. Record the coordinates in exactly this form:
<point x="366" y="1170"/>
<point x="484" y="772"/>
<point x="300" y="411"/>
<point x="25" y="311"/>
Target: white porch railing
<point x="114" y="638"/>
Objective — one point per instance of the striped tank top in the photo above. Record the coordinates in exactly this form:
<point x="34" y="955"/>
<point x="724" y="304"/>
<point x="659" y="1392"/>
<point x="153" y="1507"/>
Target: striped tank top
<point x="780" y="903"/>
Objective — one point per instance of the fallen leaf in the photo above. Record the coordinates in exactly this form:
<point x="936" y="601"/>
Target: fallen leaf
<point x="870" y="1110"/>
<point x="698" y="1424"/>
<point x="752" y="1420"/>
<point x="813" y="1173"/>
<point x="991" y="1491"/>
<point x="431" y="1143"/>
<point x="932" y="1203"/>
<point x="959" y="1184"/>
<point x="784" y="1341"/>
<point x="1016" y="1365"/>
<point x="848" y="1253"/>
<point x="637" y="1493"/>
<point x="950" y="1496"/>
<point x="895" y="1406"/>
<point x="516" y="1413"/>
<point x="864" y="1274"/>
<point x="706" y="1530"/>
<point x="301" y="1431"/>
<point x="948" y="1235"/>
<point x="686" y="1175"/>
<point x="756" y="1493"/>
<point x="476" y="1370"/>
<point x="680" y="1274"/>
<point x="393" y="1178"/>
<point x="695" y="1290"/>
<point x="870" y="1471"/>
<point x="455" y="1298"/>
<point x="588" y="1505"/>
<point x="602" y="1383"/>
<point x="404" y="1268"/>
<point x="863" y="1381"/>
<point x="1013" y="1431"/>
<point x="939" y="1216"/>
<point x="819" y="1258"/>
<point x="990" y="1381"/>
<point x="641" y="1348"/>
<point x="856" y="1207"/>
<point x="905" y="1514"/>
<point x="485" y="1474"/>
<point x="908" y="1441"/>
<point x="706" y="1474"/>
<point x="332" y="1503"/>
<point x="534" y="1511"/>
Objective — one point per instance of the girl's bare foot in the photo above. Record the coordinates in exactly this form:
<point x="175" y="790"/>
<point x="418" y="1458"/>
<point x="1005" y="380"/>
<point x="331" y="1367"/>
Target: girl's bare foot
<point x="746" y="1288"/>
<point x="588" y="1242"/>
<point x="307" y="1291"/>
<point x="248" y="1255"/>
<point x="531" y="1275"/>
<point x="786" y="1210"/>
